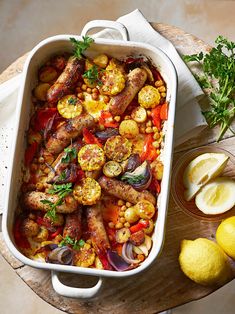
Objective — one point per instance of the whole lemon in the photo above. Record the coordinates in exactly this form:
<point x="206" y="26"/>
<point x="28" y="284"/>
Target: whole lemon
<point x="204" y="262"/>
<point x="225" y="236"/>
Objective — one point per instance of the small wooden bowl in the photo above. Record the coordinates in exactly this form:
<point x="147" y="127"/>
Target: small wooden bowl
<point x="177" y="186"/>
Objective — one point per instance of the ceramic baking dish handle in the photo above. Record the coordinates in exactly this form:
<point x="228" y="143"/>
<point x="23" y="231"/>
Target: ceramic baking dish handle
<point x="71" y="292"/>
<point x="106" y="24"/>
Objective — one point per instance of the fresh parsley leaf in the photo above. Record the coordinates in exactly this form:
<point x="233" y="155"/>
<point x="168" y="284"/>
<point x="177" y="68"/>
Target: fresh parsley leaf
<point x="219" y="75"/>
<point x="52" y="212"/>
<point x="72" y="101"/>
<point x="132" y="179"/>
<point x="74" y="243"/>
<point x="61" y="189"/>
<point x="81" y="46"/>
<point x="71" y="153"/>
<point x="92" y="75"/>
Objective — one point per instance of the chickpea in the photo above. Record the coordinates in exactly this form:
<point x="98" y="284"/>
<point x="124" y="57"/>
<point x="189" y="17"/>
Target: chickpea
<point x="163" y="95"/>
<point x="145" y="209"/>
<point x="95" y="90"/>
<point x="94" y="96"/>
<point x="121" y="214"/>
<point x="128" y="204"/>
<point x="84" y="87"/>
<point x="106" y="99"/>
<point x="127" y="225"/>
<point x="120" y="203"/>
<point x="117" y="118"/>
<point x="156" y="136"/>
<point x="122" y="220"/>
<point x="162" y="89"/>
<point x="88" y="90"/>
<point x="80" y="96"/>
<point x="118" y="225"/>
<point x="111" y="225"/>
<point x="149" y="130"/>
<point x="155" y="144"/>
<point x="123" y="208"/>
<point x="158" y="83"/>
<point x="149" y="123"/>
<point x="131" y="215"/>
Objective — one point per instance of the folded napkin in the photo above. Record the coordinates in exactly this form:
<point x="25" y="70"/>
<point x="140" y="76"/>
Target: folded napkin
<point x="189" y="120"/>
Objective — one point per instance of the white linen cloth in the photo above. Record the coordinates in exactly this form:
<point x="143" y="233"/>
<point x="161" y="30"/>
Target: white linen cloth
<point x="189" y="120"/>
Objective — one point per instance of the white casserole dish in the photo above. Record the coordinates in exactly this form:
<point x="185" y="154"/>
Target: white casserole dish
<point x="37" y="57"/>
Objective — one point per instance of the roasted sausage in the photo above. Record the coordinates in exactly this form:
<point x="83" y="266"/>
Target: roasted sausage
<point x="58" y="166"/>
<point x="73" y="225"/>
<point x="69" y="131"/>
<point x="73" y="70"/>
<point x="32" y="201"/>
<point x="29" y="227"/>
<point x="125" y="191"/>
<point x="137" y="238"/>
<point x="98" y="233"/>
<point x="135" y="81"/>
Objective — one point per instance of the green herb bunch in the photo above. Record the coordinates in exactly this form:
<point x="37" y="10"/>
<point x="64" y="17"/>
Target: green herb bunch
<point x="81" y="46"/>
<point x="76" y="244"/>
<point x="219" y="76"/>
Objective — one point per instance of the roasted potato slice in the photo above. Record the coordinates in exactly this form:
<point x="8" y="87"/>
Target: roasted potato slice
<point x="112" y="169"/>
<point x="117" y="148"/>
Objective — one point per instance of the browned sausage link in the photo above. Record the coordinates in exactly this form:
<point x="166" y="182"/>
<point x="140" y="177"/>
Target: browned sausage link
<point x="73" y="225"/>
<point x="69" y="131"/>
<point x="98" y="233"/>
<point x="65" y="81"/>
<point x="135" y="81"/>
<point x="32" y="201"/>
<point x="125" y="191"/>
<point x="57" y="167"/>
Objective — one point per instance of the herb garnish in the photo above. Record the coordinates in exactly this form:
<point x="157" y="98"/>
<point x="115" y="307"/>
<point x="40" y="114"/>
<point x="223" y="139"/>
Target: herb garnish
<point x="92" y="75"/>
<point x="81" y="46"/>
<point x="52" y="212"/>
<point x="61" y="189"/>
<point x="71" y="153"/>
<point x="72" y="101"/>
<point x="76" y="244"/>
<point x="62" y="176"/>
<point x="132" y="179"/>
<point x="218" y="75"/>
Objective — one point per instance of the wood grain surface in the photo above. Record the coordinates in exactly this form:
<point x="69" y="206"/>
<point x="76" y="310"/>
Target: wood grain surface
<point x="161" y="286"/>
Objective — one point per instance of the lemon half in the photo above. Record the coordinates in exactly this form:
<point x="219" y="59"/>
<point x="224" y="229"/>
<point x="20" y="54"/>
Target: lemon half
<point x="217" y="196"/>
<point x="202" y="169"/>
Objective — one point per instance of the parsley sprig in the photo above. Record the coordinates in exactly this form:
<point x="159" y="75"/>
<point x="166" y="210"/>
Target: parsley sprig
<point x="61" y="190"/>
<point x="76" y="244"/>
<point x="52" y="212"/>
<point x="219" y="76"/>
<point x="71" y="153"/>
<point x="93" y="75"/>
<point x="81" y="46"/>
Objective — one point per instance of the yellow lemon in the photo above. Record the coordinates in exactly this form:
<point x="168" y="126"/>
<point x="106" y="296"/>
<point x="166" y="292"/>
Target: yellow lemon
<point x="217" y="196"/>
<point x="204" y="262"/>
<point x="225" y="236"/>
<point x="202" y="169"/>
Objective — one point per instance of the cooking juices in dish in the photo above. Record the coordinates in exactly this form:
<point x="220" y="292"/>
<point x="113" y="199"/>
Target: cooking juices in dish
<point x="92" y="168"/>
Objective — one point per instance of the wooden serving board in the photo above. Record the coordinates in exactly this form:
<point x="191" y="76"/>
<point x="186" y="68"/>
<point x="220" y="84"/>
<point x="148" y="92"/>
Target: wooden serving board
<point x="161" y="286"/>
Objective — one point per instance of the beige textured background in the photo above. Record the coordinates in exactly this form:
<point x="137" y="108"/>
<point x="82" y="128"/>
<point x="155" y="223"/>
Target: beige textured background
<point x="23" y="23"/>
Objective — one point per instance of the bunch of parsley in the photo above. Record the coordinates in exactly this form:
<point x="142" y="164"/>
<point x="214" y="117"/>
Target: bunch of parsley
<point x="219" y="77"/>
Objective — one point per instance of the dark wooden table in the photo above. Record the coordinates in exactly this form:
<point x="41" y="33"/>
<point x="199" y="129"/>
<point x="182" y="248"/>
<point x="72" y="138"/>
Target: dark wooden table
<point x="163" y="285"/>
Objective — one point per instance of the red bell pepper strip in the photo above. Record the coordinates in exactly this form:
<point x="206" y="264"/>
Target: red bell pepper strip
<point x="20" y="238"/>
<point x="30" y="153"/>
<point x="90" y="138"/>
<point x="155" y="186"/>
<point x="155" y="113"/>
<point x="56" y="233"/>
<point x="41" y="118"/>
<point x="149" y="151"/>
<point x="106" y="119"/>
<point x="164" y="111"/>
<point x="156" y="74"/>
<point x="139" y="226"/>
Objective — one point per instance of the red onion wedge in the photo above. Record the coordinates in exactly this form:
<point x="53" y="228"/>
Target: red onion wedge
<point x="117" y="262"/>
<point x="127" y="253"/>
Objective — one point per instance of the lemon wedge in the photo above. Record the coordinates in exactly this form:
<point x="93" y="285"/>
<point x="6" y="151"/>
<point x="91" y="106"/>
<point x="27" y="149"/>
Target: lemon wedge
<point x="202" y="169"/>
<point x="217" y="196"/>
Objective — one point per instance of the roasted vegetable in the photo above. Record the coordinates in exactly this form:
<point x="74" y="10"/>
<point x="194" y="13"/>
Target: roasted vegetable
<point x="91" y="157"/>
<point x="87" y="192"/>
<point x="117" y="148"/>
<point x="140" y="178"/>
<point x="107" y="133"/>
<point x="134" y="161"/>
<point x="149" y="97"/>
<point x="101" y="60"/>
<point x="112" y="169"/>
<point x="85" y="257"/>
<point x="69" y="107"/>
<point x="139" y="114"/>
<point x="113" y="79"/>
<point x="145" y="209"/>
<point x="129" y="129"/>
<point x="40" y="91"/>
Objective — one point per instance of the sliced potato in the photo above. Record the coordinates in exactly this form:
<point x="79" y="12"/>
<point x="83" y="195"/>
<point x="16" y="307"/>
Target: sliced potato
<point x="69" y="107"/>
<point x="101" y="60"/>
<point x="128" y="129"/>
<point x="139" y="114"/>
<point x="117" y="148"/>
<point x="91" y="157"/>
<point x="157" y="169"/>
<point x="87" y="192"/>
<point x="112" y="169"/>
